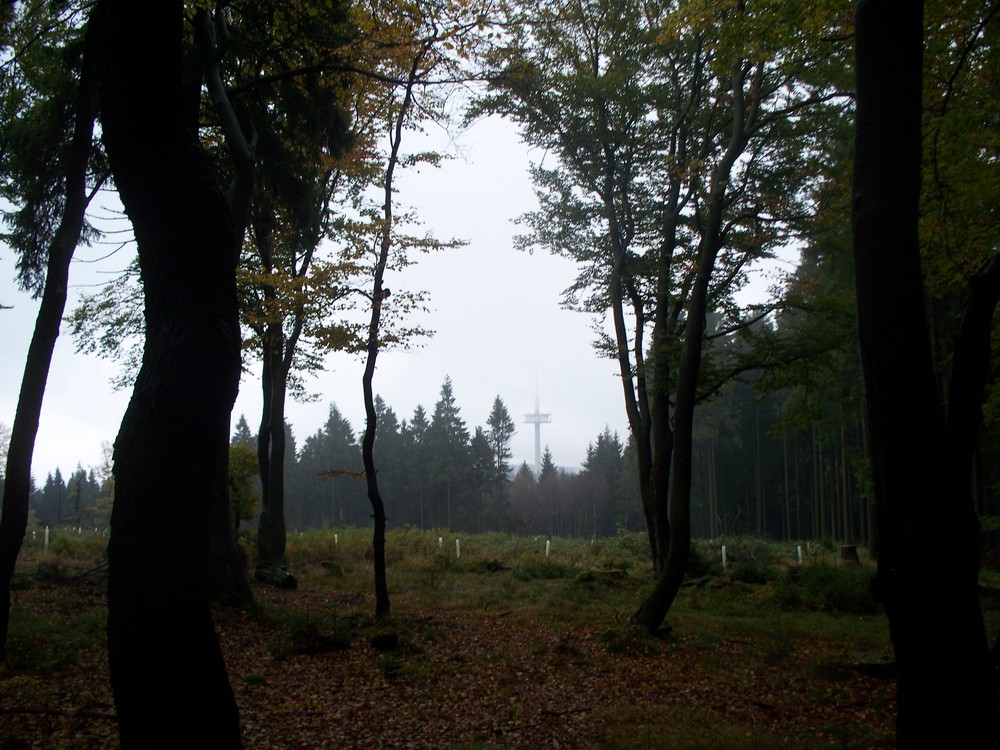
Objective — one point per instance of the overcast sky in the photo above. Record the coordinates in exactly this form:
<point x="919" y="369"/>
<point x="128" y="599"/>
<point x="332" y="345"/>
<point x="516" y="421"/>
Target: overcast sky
<point x="499" y="329"/>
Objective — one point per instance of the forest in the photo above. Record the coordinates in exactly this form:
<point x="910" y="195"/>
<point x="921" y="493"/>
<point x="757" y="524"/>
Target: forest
<point x="417" y="462"/>
<point x="815" y="474"/>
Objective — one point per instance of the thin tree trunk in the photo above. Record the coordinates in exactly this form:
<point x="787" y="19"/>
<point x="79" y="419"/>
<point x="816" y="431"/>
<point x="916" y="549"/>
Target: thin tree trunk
<point x="264" y="523"/>
<point x="798" y="487"/>
<point x="757" y="481"/>
<point x="787" y="525"/>
<point x="17" y="475"/>
<point x="378" y="297"/>
<point x="818" y="484"/>
<point x="713" y="492"/>
<point x="845" y="486"/>
<point x="368" y="442"/>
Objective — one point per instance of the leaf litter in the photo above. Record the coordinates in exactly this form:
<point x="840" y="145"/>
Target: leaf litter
<point x="470" y="678"/>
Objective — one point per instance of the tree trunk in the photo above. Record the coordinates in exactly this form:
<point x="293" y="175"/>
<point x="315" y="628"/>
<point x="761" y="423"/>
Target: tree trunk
<point x="798" y="487"/>
<point x="945" y="678"/>
<point x="17" y="475"/>
<point x="845" y="485"/>
<point x="227" y="563"/>
<point x="652" y="611"/>
<point x="787" y="515"/>
<point x="167" y="673"/>
<point x="367" y="453"/>
<point x="758" y="483"/>
<point x="657" y="433"/>
<point x="713" y="492"/>
<point x="271" y="531"/>
<point x="264" y="453"/>
<point x="378" y="296"/>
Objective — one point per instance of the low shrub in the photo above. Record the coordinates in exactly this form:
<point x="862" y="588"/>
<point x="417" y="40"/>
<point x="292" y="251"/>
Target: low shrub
<point x="699" y="563"/>
<point x="841" y="589"/>
<point x="750" y="571"/>
<point x="528" y="570"/>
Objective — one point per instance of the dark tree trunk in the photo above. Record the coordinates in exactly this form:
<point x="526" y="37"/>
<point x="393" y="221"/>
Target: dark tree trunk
<point x="945" y="680"/>
<point x="17" y="476"/>
<point x="379" y="295"/>
<point x="277" y="353"/>
<point x="654" y="609"/>
<point x="264" y="456"/>
<point x="167" y="672"/>
<point x="227" y="577"/>
<point x="271" y="529"/>
<point x="368" y="456"/>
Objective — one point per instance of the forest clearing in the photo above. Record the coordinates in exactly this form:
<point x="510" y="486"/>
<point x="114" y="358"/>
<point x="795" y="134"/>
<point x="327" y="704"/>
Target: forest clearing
<point x="501" y="647"/>
<point x="678" y="152"/>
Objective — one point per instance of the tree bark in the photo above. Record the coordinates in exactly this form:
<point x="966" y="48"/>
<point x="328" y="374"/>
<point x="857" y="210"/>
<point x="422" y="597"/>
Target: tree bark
<point x="368" y="456"/>
<point x="167" y="672"/>
<point x="944" y="673"/>
<point x="654" y="609"/>
<point x="17" y="475"/>
<point x="656" y="606"/>
<point x="271" y="448"/>
<point x="277" y="354"/>
<point x="227" y="579"/>
<point x="379" y="295"/>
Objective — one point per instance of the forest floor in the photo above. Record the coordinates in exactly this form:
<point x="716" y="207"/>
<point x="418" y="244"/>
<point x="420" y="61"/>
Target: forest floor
<point x="477" y="656"/>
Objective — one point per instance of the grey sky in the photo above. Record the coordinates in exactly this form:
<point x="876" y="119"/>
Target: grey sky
<point x="499" y="329"/>
<point x="495" y="311"/>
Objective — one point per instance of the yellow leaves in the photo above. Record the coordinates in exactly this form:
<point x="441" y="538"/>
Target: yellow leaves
<point x="193" y="7"/>
<point x="280" y="296"/>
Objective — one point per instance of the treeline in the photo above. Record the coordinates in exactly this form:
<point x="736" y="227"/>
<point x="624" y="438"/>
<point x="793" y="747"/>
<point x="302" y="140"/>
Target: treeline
<point x="772" y="459"/>
<point x="82" y="500"/>
<point x="763" y="466"/>
<point x="435" y="471"/>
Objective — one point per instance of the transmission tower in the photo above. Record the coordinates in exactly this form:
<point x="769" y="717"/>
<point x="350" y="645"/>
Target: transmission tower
<point x="538" y="419"/>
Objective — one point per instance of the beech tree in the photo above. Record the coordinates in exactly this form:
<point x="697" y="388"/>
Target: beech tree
<point x="921" y="452"/>
<point x="47" y="169"/>
<point x="752" y="198"/>
<point x="301" y="115"/>
<point x="685" y="137"/>
<point x="167" y="672"/>
<point x="293" y="102"/>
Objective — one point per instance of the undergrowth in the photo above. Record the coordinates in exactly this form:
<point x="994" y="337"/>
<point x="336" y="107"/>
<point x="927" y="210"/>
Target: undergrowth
<point x="574" y="582"/>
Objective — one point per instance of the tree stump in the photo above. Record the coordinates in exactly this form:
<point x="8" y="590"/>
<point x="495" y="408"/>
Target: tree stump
<point x="849" y="554"/>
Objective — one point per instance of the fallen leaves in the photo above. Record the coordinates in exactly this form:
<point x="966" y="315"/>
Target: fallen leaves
<point x="473" y="678"/>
